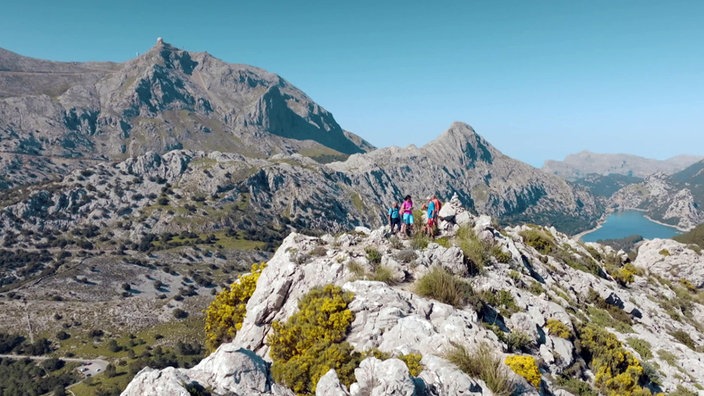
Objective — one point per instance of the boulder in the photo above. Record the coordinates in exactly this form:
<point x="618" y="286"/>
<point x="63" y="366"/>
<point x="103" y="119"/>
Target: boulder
<point x="382" y="378"/>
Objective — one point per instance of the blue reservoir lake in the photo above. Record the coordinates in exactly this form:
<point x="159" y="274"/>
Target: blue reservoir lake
<point x="630" y="222"/>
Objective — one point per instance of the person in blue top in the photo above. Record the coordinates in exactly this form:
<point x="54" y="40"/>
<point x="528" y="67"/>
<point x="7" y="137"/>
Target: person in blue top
<point x="394" y="218"/>
<point x="432" y="216"/>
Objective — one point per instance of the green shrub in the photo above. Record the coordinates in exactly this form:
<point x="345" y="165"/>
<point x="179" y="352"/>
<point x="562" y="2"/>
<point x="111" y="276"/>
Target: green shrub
<point x="225" y="314"/>
<point x="412" y="360"/>
<point x="651" y="370"/>
<point x="525" y="366"/>
<point x="515" y="276"/>
<point x="395" y="242"/>
<point x="641" y="346"/>
<point x="664" y="252"/>
<point x="483" y="364"/>
<point x="383" y="273"/>
<point x="443" y="241"/>
<point x="518" y="341"/>
<point x="319" y="251"/>
<point x="406" y="256"/>
<point x="688" y="285"/>
<point x="500" y="255"/>
<point x="476" y="252"/>
<point x="502" y="300"/>
<point x="419" y="241"/>
<point x="668" y="357"/>
<point x="535" y="287"/>
<point x="539" y="239"/>
<point x="356" y="268"/>
<point x="684" y="338"/>
<point x="575" y="386"/>
<point x="558" y="329"/>
<point x="311" y="342"/>
<point x="373" y="255"/>
<point x="445" y="287"/>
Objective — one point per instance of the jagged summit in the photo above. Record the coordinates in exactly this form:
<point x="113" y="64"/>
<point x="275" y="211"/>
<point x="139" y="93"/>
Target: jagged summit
<point x="463" y="144"/>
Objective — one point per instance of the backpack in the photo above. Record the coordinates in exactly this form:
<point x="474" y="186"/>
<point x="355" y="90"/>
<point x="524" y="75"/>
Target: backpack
<point x="393" y="212"/>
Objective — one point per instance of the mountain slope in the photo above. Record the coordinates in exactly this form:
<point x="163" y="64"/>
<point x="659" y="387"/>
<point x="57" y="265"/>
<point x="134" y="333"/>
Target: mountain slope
<point x="164" y="99"/>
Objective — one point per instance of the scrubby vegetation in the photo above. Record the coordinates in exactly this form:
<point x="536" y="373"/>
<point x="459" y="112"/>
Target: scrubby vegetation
<point x="311" y="341"/>
<point x="483" y="363"/>
<point x="525" y="366"/>
<point x="539" y="239"/>
<point x="617" y="371"/>
<point x="445" y="287"/>
<point x="224" y="316"/>
<point x="558" y="329"/>
<point x="477" y="253"/>
<point x="694" y="236"/>
<point x="26" y="377"/>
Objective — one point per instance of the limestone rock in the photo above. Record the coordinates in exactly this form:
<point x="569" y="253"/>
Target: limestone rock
<point x="380" y="378"/>
<point x="671" y="260"/>
<point x="329" y="385"/>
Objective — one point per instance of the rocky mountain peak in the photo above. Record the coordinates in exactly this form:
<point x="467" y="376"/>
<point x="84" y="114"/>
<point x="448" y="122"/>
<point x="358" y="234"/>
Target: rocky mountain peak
<point x="461" y="142"/>
<point x="166" y="55"/>
<point x="164" y="99"/>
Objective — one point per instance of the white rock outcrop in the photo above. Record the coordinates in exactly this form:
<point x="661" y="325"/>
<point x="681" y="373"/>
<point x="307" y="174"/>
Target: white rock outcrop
<point x="517" y="301"/>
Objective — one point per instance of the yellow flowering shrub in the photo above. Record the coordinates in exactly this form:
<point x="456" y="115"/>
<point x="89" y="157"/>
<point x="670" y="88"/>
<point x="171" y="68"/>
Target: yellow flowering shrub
<point x="526" y="367"/>
<point x="623" y="275"/>
<point x="558" y="329"/>
<point x="616" y="370"/>
<point x="412" y="361"/>
<point x="311" y="342"/>
<point x="225" y="314"/>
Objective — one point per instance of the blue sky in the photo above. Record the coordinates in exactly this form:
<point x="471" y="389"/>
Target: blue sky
<point x="538" y="79"/>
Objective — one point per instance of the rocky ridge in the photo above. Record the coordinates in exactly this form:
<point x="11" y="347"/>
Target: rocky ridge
<point x="657" y="316"/>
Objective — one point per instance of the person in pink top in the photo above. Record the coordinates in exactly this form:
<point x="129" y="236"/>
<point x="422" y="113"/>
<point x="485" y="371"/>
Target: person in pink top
<point x="407" y="216"/>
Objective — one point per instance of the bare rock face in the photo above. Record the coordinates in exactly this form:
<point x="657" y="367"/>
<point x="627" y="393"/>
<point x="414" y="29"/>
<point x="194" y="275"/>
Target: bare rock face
<point x="671" y="260"/>
<point x="228" y="371"/>
<point x="388" y="377"/>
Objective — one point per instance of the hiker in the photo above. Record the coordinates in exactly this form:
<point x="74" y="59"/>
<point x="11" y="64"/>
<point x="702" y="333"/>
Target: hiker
<point x="438" y="206"/>
<point x="432" y="215"/>
<point x="407" y="216"/>
<point x="394" y="218"/>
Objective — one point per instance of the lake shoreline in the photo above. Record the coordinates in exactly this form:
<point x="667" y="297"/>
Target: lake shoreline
<point x="602" y="221"/>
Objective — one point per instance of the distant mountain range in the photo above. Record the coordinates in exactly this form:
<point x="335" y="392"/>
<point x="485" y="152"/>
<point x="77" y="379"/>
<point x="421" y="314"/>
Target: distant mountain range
<point x="582" y="164"/>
